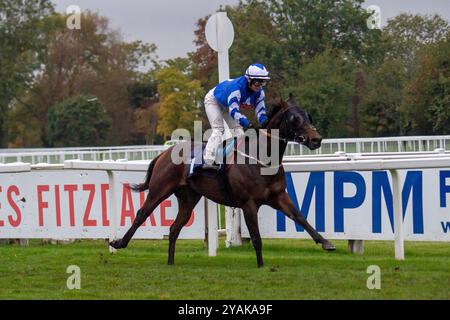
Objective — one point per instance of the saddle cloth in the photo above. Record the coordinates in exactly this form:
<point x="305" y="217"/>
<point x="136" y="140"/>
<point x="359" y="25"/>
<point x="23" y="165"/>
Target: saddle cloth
<point x="197" y="161"/>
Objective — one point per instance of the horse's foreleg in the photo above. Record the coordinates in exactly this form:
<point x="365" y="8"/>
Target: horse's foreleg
<point x="251" y="220"/>
<point x="187" y="199"/>
<point x="284" y="203"/>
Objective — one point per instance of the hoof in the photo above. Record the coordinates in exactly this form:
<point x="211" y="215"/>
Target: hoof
<point x="116" y="244"/>
<point x="328" y="246"/>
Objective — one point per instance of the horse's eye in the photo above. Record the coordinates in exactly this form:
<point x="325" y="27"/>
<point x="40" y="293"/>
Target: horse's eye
<point x="295" y="120"/>
<point x="291" y="118"/>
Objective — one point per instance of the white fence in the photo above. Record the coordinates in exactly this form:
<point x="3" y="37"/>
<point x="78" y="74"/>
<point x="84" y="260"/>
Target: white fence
<point x="59" y="155"/>
<point x="348" y="198"/>
<point x="329" y="146"/>
<point x="87" y="199"/>
<point x="371" y="145"/>
<point x="50" y="201"/>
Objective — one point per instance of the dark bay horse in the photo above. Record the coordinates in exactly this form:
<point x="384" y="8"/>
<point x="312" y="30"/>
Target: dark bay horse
<point x="247" y="188"/>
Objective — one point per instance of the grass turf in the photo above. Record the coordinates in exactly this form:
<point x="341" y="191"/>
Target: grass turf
<point x="294" y="269"/>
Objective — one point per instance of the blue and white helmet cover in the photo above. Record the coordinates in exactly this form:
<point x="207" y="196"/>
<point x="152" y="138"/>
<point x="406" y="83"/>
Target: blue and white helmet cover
<point x="257" y="71"/>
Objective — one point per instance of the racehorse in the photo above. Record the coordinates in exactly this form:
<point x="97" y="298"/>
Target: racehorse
<point x="246" y="188"/>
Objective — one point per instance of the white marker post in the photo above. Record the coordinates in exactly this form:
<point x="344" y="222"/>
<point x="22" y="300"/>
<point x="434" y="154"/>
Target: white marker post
<point x="219" y="33"/>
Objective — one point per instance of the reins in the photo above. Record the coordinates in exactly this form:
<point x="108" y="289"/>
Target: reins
<point x="270" y="135"/>
<point x="284" y="119"/>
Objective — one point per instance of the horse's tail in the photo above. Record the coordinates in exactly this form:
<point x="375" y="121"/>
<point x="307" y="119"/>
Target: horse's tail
<point x="145" y="185"/>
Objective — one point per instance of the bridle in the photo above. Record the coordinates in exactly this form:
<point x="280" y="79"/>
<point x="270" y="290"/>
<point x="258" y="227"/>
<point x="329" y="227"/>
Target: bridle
<point x="295" y="136"/>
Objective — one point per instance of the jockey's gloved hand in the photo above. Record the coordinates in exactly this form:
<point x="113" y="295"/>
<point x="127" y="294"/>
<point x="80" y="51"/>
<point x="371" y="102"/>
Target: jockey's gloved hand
<point x="251" y="130"/>
<point x="244" y="123"/>
<point x="263" y="120"/>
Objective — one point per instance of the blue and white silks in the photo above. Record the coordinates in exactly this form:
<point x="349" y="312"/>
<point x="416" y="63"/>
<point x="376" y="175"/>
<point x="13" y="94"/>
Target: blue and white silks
<point x="234" y="93"/>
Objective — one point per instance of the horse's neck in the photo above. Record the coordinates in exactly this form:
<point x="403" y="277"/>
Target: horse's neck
<point x="275" y="123"/>
<point x="281" y="147"/>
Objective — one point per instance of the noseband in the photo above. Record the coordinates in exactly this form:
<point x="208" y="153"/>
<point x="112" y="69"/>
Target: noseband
<point x="291" y="132"/>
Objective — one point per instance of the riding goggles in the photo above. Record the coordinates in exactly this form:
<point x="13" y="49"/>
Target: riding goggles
<point x="259" y="82"/>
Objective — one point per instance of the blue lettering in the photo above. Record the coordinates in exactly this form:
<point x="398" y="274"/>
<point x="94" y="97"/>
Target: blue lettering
<point x="316" y="182"/>
<point x="443" y="187"/>
<point x="412" y="189"/>
<point x="341" y="202"/>
<point x="445" y="226"/>
<point x="380" y="182"/>
<point x="413" y="182"/>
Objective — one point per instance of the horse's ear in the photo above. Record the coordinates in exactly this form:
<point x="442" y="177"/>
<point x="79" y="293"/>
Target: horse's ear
<point x="283" y="104"/>
<point x="291" y="100"/>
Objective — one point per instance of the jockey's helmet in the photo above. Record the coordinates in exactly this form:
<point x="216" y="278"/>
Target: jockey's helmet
<point x="257" y="71"/>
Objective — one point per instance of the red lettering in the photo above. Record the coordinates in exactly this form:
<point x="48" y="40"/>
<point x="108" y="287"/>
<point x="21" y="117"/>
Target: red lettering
<point x="103" y="188"/>
<point x="41" y="204"/>
<point x="165" y="222"/>
<point x="14" y="206"/>
<point x="58" y="206"/>
<point x="126" y="200"/>
<point x="86" y="221"/>
<point x="1" y="221"/>
<point x="71" y="188"/>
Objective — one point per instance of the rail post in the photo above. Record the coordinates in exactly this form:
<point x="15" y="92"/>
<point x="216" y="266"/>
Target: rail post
<point x="213" y="235"/>
<point x="233" y="227"/>
<point x="112" y="209"/>
<point x="398" y="216"/>
<point x="356" y="246"/>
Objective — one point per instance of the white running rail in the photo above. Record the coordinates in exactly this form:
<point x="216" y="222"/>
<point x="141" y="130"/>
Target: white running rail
<point x="329" y="146"/>
<point x="371" y="145"/>
<point x="59" y="155"/>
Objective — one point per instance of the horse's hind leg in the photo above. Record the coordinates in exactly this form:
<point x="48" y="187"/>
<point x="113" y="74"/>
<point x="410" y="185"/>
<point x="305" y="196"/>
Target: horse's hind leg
<point x="251" y="220"/>
<point x="187" y="199"/>
<point x="151" y="202"/>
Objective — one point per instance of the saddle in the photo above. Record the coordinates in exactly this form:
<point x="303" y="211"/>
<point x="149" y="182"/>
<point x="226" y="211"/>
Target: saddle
<point x="197" y="160"/>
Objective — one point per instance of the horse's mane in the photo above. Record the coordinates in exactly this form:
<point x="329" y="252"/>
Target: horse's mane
<point x="275" y="108"/>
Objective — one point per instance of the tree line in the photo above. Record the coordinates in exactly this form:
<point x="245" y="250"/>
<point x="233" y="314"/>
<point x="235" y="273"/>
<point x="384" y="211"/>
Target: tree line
<point x="88" y="86"/>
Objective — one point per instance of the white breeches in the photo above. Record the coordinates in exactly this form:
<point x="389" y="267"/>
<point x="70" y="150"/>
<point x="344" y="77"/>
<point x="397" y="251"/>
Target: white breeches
<point x="216" y="115"/>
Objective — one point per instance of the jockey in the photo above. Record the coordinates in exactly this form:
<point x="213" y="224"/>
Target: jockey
<point x="224" y="102"/>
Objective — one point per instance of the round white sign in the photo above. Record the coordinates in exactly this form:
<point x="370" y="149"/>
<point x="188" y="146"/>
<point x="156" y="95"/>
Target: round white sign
<point x="219" y="32"/>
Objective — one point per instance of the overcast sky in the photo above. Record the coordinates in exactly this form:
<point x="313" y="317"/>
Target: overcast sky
<point x="170" y="24"/>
